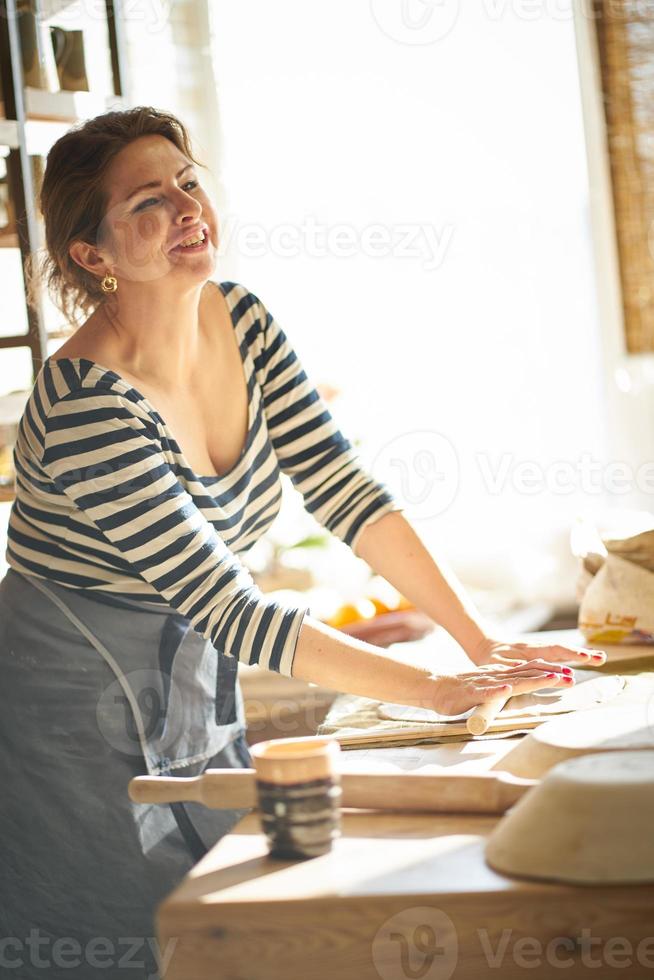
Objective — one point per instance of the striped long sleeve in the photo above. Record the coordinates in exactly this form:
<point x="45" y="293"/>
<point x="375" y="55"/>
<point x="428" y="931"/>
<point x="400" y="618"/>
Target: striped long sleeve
<point x="107" y="459"/>
<point x="106" y="500"/>
<point x="309" y="445"/>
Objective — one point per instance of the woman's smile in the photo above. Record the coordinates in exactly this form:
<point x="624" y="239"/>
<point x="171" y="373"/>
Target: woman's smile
<point x="198" y="242"/>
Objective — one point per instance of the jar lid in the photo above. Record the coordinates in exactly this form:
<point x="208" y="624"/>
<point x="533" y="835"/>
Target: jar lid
<point x="295" y="760"/>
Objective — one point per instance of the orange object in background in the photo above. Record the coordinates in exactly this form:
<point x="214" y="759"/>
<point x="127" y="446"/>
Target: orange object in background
<point x="367" y="617"/>
<point x="352" y="612"/>
<point x="380" y="607"/>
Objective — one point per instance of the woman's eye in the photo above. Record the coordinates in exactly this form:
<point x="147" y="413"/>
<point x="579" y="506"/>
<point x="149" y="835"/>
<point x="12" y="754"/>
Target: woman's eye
<point x="145" y="204"/>
<point x="154" y="200"/>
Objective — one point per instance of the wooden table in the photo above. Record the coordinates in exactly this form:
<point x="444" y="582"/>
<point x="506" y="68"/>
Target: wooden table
<point x="400" y="896"/>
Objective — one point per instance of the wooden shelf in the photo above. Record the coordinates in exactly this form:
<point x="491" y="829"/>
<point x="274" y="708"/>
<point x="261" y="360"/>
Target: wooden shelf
<point x="32" y="119"/>
<point x="40" y="134"/>
<point x="62" y="106"/>
<point x="9" y="133"/>
<point x="9" y="239"/>
<point x="57" y="7"/>
<point x="42" y="130"/>
<point x="15" y="340"/>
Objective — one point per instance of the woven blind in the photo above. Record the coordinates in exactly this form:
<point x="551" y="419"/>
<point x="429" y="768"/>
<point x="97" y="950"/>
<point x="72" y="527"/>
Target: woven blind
<point x="625" y="37"/>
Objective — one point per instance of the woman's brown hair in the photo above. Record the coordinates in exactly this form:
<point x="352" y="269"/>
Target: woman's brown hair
<point x="73" y="201"/>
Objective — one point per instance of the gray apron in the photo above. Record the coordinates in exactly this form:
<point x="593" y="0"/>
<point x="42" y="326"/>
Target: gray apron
<point x="94" y="690"/>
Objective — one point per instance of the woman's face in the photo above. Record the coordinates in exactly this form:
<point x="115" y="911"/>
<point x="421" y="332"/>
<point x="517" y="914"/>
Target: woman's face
<point x="140" y="236"/>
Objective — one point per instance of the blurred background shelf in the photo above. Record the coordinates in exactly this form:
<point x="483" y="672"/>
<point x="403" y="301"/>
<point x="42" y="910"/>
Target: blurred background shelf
<point x="9" y="133"/>
<point x="55" y="72"/>
<point x="64" y="106"/>
<point x="9" y="239"/>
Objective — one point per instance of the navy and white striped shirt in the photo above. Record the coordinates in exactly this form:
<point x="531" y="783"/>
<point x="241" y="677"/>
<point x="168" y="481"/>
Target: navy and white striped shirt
<point x="106" y="501"/>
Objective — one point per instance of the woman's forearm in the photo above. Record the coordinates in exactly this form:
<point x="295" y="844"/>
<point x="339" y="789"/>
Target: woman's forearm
<point x="341" y="662"/>
<point x="333" y="659"/>
<point x="393" y="549"/>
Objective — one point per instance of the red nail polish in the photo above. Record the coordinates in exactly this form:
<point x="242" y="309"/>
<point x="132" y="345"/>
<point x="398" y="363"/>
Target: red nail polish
<point x="567" y="670"/>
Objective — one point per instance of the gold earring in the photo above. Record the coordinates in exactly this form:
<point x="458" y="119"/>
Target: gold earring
<point x="109" y="284"/>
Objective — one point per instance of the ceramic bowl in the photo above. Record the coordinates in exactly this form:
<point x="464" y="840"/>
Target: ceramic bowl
<point x="584" y="732"/>
<point x="588" y="822"/>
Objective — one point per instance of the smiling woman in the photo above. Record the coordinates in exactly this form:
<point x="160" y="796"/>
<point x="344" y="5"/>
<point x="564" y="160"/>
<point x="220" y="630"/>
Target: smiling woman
<point x="105" y="189"/>
<point x="148" y="457"/>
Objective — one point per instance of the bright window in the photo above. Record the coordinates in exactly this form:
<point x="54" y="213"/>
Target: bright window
<point x="416" y="217"/>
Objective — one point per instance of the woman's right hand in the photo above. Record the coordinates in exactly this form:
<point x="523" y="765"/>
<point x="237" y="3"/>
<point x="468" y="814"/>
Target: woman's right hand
<point x="455" y="693"/>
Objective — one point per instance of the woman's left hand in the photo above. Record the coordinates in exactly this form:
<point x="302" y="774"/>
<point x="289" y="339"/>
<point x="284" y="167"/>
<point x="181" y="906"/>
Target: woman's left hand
<point x="498" y="652"/>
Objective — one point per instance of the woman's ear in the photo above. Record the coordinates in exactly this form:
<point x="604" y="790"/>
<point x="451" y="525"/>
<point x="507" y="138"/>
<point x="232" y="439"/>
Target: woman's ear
<point x="88" y="257"/>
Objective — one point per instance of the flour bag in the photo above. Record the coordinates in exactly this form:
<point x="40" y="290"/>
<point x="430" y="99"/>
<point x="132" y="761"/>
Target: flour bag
<point x="615" y="588"/>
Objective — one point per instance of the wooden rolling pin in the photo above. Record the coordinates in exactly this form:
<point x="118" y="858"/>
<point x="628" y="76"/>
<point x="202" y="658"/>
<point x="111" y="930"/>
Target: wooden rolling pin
<point x="225" y="789"/>
<point x="485" y="714"/>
